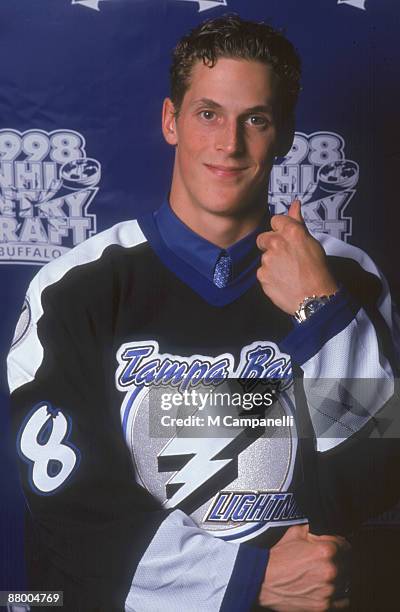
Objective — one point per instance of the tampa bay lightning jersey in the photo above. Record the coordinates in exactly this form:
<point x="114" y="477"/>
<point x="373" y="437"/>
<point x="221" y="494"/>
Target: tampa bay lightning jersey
<point x="125" y="518"/>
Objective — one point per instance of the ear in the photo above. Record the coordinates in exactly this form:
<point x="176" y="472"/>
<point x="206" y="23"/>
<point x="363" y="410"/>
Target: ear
<point x="169" y="122"/>
<point x="285" y="136"/>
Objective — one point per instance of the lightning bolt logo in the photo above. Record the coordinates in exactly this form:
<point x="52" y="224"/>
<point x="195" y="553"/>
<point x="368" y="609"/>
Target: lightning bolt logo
<point x="203" y="466"/>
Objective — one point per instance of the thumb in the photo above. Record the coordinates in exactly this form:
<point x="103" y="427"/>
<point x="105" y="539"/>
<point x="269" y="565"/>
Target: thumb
<point x="325" y="538"/>
<point x="295" y="211"/>
<point x="296" y="532"/>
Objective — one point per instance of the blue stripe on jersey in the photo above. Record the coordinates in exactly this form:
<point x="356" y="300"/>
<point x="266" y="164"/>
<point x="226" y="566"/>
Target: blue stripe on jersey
<point x="309" y="337"/>
<point x="246" y="579"/>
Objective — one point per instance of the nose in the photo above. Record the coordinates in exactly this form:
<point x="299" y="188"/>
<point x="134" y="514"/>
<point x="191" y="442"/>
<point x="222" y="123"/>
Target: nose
<point x="229" y="137"/>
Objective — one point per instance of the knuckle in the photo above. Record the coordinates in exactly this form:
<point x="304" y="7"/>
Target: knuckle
<point x="330" y="572"/>
<point x="326" y="550"/>
<point x="292" y="228"/>
<point x="261" y="240"/>
<point x="273" y="242"/>
<point x="276" y="221"/>
<point x="329" y="591"/>
<point x="295" y="231"/>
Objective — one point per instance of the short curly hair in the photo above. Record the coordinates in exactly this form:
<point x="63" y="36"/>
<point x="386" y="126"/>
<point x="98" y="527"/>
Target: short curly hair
<point x="232" y="37"/>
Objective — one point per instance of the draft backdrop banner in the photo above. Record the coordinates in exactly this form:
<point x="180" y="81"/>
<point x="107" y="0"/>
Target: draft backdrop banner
<point x="81" y="148"/>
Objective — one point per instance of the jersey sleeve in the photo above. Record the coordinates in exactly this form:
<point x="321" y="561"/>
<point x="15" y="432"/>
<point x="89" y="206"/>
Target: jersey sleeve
<point x="98" y="535"/>
<point x="346" y="359"/>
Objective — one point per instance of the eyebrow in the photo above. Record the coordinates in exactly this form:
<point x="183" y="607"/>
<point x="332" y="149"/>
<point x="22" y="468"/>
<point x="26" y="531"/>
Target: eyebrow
<point x="260" y="108"/>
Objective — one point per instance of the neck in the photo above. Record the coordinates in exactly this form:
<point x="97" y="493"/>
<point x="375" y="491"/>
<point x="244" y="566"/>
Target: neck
<point x="219" y="229"/>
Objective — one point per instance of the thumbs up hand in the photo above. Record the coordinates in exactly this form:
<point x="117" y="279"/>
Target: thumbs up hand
<point x="293" y="264"/>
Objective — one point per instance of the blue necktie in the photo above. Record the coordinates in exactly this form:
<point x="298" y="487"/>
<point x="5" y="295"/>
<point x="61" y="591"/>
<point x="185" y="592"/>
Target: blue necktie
<point x="222" y="271"/>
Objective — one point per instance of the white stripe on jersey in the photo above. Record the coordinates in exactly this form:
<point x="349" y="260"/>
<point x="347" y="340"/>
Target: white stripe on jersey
<point x="184" y="568"/>
<point x="330" y="375"/>
<point x="26" y="356"/>
<point x="336" y="248"/>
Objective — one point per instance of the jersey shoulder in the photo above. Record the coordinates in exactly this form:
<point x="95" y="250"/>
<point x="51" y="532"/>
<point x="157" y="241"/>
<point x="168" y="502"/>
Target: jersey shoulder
<point x="126" y="234"/>
<point x="65" y="288"/>
<point x="334" y="247"/>
<point x="357" y="272"/>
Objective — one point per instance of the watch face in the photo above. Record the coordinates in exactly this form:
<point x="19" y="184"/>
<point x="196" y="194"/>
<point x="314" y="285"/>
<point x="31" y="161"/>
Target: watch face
<point x="309" y="306"/>
<point x="312" y="307"/>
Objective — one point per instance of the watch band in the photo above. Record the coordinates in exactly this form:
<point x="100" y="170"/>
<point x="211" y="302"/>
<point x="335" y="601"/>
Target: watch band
<point x="311" y="305"/>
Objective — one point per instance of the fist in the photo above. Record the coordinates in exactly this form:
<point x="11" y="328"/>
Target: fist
<point x="293" y="263"/>
<point x="306" y="573"/>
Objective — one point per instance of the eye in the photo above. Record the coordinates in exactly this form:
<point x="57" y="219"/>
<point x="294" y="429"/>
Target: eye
<point x="257" y="120"/>
<point x="208" y="115"/>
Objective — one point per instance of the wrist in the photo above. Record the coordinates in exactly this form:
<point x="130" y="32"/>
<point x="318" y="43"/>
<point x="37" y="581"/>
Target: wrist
<point x="312" y="304"/>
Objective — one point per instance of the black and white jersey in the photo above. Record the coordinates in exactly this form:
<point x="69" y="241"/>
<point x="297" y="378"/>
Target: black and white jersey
<point x="126" y="518"/>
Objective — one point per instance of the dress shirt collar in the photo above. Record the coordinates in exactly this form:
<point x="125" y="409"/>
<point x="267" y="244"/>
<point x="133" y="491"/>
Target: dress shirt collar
<point x="199" y="252"/>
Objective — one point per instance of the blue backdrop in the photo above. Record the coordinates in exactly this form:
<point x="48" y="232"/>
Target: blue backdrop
<point x="81" y="147"/>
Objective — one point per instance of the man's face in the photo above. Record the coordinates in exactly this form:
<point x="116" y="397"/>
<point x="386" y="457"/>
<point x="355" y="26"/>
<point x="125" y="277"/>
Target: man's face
<point x="226" y="137"/>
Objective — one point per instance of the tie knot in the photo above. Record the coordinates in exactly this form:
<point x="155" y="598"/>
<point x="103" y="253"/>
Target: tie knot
<point x="223" y="270"/>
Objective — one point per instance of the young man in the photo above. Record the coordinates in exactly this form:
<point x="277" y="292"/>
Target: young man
<point x="128" y="520"/>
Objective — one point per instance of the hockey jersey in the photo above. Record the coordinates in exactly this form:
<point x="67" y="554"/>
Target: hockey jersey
<point x="135" y="509"/>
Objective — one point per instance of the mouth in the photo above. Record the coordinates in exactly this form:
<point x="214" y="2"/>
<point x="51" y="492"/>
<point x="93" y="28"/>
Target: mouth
<point x="226" y="171"/>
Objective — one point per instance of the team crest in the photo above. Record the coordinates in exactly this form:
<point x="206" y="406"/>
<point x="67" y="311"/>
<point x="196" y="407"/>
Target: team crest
<point x="234" y="484"/>
<point x="24" y="323"/>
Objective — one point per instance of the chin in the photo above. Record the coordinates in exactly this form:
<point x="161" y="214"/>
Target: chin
<point x="224" y="209"/>
<point x="237" y="207"/>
